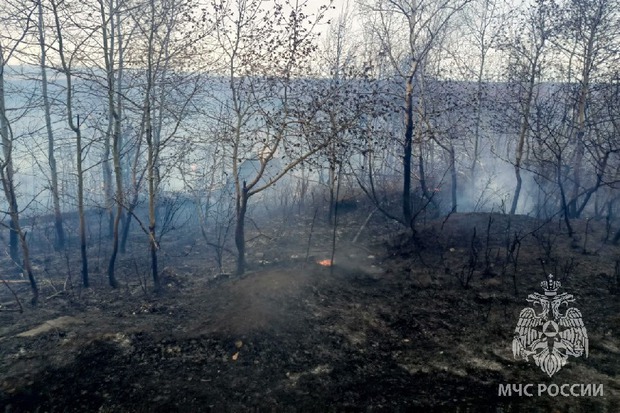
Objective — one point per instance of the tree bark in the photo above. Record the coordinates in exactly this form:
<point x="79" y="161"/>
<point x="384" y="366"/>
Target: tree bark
<point x="82" y="229"/>
<point x="114" y="128"/>
<point x="75" y="127"/>
<point x="241" y="207"/>
<point x="8" y="186"/>
<point x="453" y="176"/>
<point x="565" y="211"/>
<point x="408" y="151"/>
<point x="59" y="242"/>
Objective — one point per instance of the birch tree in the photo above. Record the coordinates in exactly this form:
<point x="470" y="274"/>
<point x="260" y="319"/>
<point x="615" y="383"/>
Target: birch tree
<point x="51" y="143"/>
<point x="408" y="31"/>
<point x="588" y="38"/>
<point x="17" y="19"/>
<point x="263" y="50"/>
<point x="66" y="58"/>
<point x="113" y="48"/>
<point x="164" y="49"/>
<point x="475" y="47"/>
<point x="527" y="52"/>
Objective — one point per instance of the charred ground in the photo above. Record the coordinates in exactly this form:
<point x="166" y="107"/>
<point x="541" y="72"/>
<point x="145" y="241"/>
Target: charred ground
<point x="396" y="323"/>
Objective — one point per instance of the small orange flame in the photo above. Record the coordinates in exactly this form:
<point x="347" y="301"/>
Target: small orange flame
<point x="325" y="263"/>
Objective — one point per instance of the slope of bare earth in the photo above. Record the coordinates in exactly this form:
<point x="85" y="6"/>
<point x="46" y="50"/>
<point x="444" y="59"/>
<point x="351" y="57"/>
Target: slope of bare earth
<point x="394" y="324"/>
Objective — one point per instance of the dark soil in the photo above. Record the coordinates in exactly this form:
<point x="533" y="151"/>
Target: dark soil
<point x="394" y="325"/>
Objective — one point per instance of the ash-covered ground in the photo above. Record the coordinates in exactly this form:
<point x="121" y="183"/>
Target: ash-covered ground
<point x="395" y="324"/>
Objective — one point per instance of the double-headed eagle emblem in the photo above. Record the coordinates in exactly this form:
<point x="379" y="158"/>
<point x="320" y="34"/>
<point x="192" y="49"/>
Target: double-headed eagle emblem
<point x="549" y="336"/>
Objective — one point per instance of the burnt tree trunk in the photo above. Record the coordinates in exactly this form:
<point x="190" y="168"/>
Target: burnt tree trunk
<point x="82" y="229"/>
<point x="28" y="268"/>
<point x="565" y="207"/>
<point x="521" y="144"/>
<point x="454" y="181"/>
<point x="241" y="207"/>
<point x="332" y="193"/>
<point x="13" y="232"/>
<point x="517" y="193"/>
<point x="126" y="227"/>
<point x="153" y="247"/>
<point x="408" y="150"/>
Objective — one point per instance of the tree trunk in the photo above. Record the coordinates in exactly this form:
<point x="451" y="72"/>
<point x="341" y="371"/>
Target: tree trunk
<point x="151" y="143"/>
<point x="114" y="129"/>
<point x="242" y="207"/>
<point x="119" y="212"/>
<point x="517" y="192"/>
<point x="521" y="144"/>
<point x="9" y="190"/>
<point x="577" y="165"/>
<point x="565" y="211"/>
<point x="421" y="167"/>
<point x="422" y="172"/>
<point x="408" y="151"/>
<point x="78" y="137"/>
<point x="8" y="186"/>
<point x="478" y="121"/>
<point x="454" y="181"/>
<point x="136" y="180"/>
<point x="332" y="190"/>
<point x="59" y="242"/>
<point x="28" y="268"/>
<point x="13" y="227"/>
<point x="107" y="187"/>
<point x="126" y="227"/>
<point x="153" y="246"/>
<point x="582" y="103"/>
<point x="82" y="229"/>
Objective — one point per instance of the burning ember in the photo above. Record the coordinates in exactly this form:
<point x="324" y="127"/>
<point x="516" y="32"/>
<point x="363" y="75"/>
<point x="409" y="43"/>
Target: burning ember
<point x="325" y="263"/>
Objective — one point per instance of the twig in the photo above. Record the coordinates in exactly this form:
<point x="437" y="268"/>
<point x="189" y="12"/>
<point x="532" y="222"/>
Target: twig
<point x="19" y="303"/>
<point x="363" y="225"/>
<point x="144" y="229"/>
<point x="56" y="294"/>
<point x="446" y="219"/>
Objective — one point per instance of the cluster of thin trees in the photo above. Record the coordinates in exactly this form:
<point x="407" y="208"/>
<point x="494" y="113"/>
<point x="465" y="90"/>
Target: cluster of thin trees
<point x="428" y="105"/>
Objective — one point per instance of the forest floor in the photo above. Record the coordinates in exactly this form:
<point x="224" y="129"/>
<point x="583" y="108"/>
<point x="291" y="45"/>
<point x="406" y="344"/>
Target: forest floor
<point x="390" y="326"/>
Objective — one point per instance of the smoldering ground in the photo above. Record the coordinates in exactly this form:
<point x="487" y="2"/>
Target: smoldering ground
<point x="394" y="323"/>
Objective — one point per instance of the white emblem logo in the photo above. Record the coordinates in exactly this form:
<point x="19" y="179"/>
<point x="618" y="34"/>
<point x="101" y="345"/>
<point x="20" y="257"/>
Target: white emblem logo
<point x="550" y="337"/>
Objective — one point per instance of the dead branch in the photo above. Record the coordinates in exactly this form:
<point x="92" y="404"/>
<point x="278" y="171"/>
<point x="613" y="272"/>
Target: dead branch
<point x="19" y="303"/>
<point x="364" y="225"/>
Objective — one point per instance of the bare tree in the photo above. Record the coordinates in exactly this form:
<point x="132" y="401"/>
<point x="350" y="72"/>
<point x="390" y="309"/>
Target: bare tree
<point x="18" y="19"/>
<point x="75" y="126"/>
<point x="588" y="35"/>
<point x="474" y="47"/>
<point x="58" y="220"/>
<point x="408" y="31"/>
<point x="341" y="104"/>
<point x="263" y="50"/>
<point x="527" y="48"/>
<point x="112" y="45"/>
<point x="163" y="50"/>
